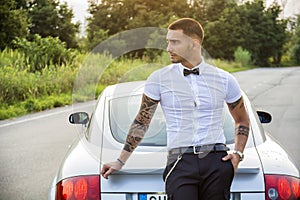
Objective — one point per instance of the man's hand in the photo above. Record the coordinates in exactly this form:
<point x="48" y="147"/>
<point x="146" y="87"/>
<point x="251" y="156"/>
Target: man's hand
<point x="235" y="160"/>
<point x="109" y="168"/>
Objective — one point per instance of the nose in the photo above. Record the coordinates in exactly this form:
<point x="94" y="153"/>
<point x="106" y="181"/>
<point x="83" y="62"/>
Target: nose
<point x="169" y="47"/>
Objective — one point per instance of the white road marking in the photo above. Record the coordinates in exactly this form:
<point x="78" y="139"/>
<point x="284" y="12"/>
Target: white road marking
<point x="67" y="109"/>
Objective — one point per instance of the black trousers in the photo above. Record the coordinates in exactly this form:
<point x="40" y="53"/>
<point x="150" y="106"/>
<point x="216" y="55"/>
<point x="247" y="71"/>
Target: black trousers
<point x="198" y="177"/>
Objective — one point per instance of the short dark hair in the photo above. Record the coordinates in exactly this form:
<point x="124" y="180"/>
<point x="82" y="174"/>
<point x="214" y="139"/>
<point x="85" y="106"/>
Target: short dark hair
<point x="190" y="27"/>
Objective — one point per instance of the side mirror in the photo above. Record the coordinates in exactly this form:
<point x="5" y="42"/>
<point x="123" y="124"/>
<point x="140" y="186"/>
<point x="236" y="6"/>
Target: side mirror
<point x="79" y="118"/>
<point x="264" y="117"/>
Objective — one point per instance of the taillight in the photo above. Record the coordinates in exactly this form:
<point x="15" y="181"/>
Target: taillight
<point x="79" y="188"/>
<point x="279" y="187"/>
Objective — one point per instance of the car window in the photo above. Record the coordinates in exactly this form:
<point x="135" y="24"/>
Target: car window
<point x="123" y="110"/>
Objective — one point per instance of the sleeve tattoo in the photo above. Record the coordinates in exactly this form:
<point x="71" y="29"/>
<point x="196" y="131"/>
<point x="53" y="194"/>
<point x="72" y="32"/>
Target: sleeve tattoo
<point x="141" y="123"/>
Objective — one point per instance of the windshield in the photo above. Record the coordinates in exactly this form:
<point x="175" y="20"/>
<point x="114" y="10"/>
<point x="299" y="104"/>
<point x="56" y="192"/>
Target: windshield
<point x="123" y="110"/>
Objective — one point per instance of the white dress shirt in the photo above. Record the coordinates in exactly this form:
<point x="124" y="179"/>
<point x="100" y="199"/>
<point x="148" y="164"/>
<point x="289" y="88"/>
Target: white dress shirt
<point x="194" y="104"/>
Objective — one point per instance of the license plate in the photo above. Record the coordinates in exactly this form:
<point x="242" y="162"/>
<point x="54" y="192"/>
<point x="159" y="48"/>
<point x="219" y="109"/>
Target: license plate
<point x="164" y="196"/>
<point x="152" y="197"/>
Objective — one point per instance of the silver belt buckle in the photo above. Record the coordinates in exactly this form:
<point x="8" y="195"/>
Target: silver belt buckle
<point x="195" y="150"/>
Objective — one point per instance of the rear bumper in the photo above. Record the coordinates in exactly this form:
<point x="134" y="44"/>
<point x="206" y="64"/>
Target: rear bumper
<point x="234" y="196"/>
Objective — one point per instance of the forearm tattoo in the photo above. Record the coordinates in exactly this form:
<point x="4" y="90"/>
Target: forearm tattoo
<point x="233" y="105"/>
<point x="242" y="130"/>
<point x="141" y="123"/>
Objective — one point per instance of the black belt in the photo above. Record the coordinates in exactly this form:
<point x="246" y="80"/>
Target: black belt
<point x="200" y="149"/>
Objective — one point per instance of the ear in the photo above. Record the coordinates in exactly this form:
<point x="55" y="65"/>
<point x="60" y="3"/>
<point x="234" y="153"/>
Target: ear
<point x="196" y="44"/>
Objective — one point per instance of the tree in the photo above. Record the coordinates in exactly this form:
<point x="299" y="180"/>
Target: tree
<point x="209" y="10"/>
<point x="13" y="22"/>
<point x="49" y="18"/>
<point x="267" y="35"/>
<point x="296" y="41"/>
<point x="116" y="16"/>
<point x="251" y="26"/>
<point x="225" y="35"/>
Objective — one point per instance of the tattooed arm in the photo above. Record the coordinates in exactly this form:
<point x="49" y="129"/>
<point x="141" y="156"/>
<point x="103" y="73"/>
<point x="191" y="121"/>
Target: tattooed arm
<point x="135" y="135"/>
<point x="140" y="124"/>
<point x="242" y="124"/>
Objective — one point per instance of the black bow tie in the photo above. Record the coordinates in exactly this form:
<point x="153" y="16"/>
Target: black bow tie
<point x="192" y="71"/>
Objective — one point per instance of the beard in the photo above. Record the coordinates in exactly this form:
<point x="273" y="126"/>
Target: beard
<point x="176" y="58"/>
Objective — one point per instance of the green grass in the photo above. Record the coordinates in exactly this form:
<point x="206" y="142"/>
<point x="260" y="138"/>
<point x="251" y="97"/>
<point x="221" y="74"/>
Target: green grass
<point x="34" y="105"/>
<point x="231" y="66"/>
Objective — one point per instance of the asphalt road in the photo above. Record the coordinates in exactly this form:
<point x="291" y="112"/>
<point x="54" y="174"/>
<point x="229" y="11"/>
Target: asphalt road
<point x="277" y="91"/>
<point x="32" y="147"/>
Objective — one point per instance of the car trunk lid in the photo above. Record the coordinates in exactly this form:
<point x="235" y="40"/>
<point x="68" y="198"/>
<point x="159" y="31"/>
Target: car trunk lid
<point x="143" y="173"/>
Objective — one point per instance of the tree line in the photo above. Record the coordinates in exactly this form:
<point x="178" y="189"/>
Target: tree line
<point x="228" y="25"/>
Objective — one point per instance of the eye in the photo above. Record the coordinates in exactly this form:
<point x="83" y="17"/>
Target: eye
<point x="173" y="42"/>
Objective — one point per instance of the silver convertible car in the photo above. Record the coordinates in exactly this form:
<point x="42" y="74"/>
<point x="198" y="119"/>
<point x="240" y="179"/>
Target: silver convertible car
<point x="267" y="172"/>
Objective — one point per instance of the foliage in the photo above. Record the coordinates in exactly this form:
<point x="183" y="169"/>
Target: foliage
<point x="34" y="105"/>
<point x="267" y="35"/>
<point x="10" y="57"/>
<point x="50" y="18"/>
<point x="242" y="56"/>
<point x="22" y="91"/>
<point x="118" y="16"/>
<point x="19" y="85"/>
<point x="296" y="41"/>
<point x="229" y="66"/>
<point x="43" y="52"/>
<point x="99" y="70"/>
<point x="13" y="22"/>
<point x="206" y="11"/>
<point x="24" y="19"/>
<point x="95" y="38"/>
<point x="250" y="26"/>
<point x="227" y="24"/>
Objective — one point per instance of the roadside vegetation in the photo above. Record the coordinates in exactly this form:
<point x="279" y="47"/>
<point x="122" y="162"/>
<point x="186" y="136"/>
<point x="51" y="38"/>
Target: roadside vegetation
<point x="45" y="63"/>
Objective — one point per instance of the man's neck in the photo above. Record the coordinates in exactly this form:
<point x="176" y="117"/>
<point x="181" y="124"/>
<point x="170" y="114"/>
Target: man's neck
<point x="191" y="65"/>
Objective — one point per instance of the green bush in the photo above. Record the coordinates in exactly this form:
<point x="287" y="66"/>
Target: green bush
<point x="296" y="53"/>
<point x="11" y="111"/>
<point x="229" y="65"/>
<point x="17" y="86"/>
<point x="9" y="57"/>
<point x="43" y="52"/>
<point x="34" y="105"/>
<point x="46" y="102"/>
<point x="242" y="56"/>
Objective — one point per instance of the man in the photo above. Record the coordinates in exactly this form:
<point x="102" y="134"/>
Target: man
<point x="192" y="95"/>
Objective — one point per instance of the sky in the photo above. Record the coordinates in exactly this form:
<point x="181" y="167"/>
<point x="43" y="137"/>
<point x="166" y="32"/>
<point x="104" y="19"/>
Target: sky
<point x="80" y="8"/>
<point x="291" y="7"/>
